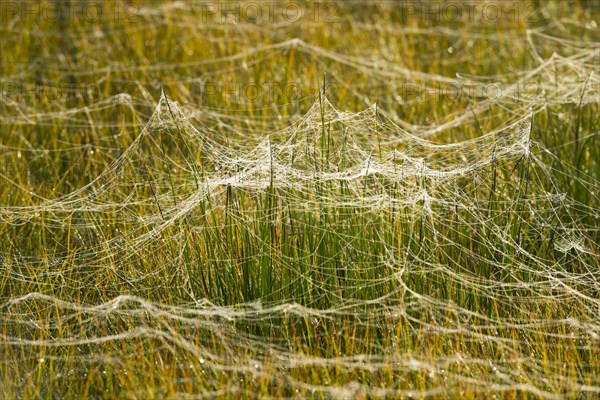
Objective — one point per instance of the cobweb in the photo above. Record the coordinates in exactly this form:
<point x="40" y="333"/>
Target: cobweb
<point x="342" y="227"/>
<point x="495" y="200"/>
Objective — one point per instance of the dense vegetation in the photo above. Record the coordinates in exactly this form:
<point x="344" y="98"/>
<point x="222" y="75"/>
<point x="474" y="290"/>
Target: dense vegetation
<point x="333" y="200"/>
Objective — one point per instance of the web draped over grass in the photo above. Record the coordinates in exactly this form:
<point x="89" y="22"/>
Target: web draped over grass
<point x="324" y="232"/>
<point x="344" y="254"/>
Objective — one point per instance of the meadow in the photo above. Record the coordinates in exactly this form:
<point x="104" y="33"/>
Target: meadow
<point x="312" y="200"/>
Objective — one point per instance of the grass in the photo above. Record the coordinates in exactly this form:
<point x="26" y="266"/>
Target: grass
<point x="130" y="267"/>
